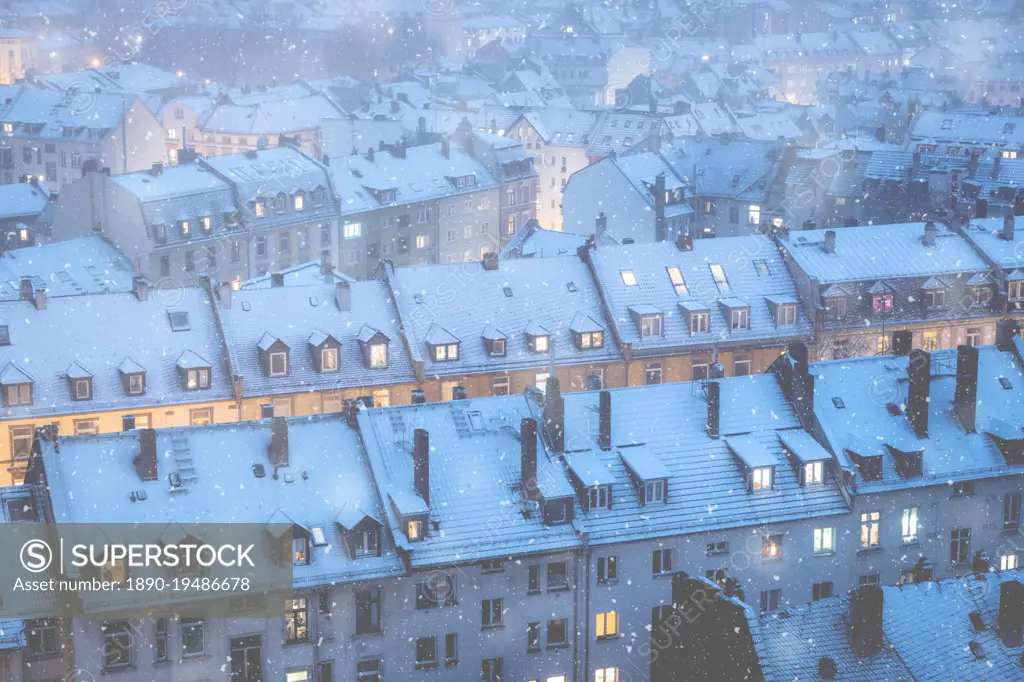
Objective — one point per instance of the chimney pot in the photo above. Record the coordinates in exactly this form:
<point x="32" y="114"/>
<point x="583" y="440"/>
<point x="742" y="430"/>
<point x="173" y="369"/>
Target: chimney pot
<point x="419" y="397"/>
<point x="1005" y="331"/>
<point x="277" y="279"/>
<point x="902" y="342"/>
<point x="343" y="296"/>
<point x="490" y="261"/>
<point x="224" y="293"/>
<point x="40" y="299"/>
<point x="421" y="464"/>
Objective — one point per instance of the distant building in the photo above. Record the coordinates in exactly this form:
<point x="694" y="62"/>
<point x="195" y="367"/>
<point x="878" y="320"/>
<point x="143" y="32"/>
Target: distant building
<point x="17" y="54"/>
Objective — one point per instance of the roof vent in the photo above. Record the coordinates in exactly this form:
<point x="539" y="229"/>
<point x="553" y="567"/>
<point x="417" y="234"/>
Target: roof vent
<point x="976" y="620"/>
<point x="827" y="668"/>
<point x="259" y="471"/>
<point x="977" y="650"/>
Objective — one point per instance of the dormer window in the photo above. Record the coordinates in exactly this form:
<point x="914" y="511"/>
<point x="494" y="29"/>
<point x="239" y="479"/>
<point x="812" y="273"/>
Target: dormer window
<point x="273" y="356"/>
<point x="207" y="222"/>
<point x="762" y="478"/>
<point x="360" y="530"/>
<point x="446" y="352"/>
<point x="599" y="497"/>
<point x="881" y="303"/>
<point x="590" y="340"/>
<point x="185" y="227"/>
<point x="497" y="347"/>
<point x="538" y="338"/>
<point x="933" y="292"/>
<point x="813" y="473"/>
<point x="649" y="475"/>
<point x="465" y="181"/>
<point x="324" y="351"/>
<point x="587" y="333"/>
<point x="649" y="321"/>
<point x="374" y="347"/>
<point x="318" y="196"/>
<point x="367" y="543"/>
<point x="495" y="341"/>
<point x="17" y="386"/>
<point x="414" y="530"/>
<point x="1015" y="290"/>
<point x="300" y="550"/>
<point x="442" y="344"/>
<point x="133" y="377"/>
<point x="258" y="209"/>
<point x="299" y="201"/>
<point x="194" y="371"/>
<point x="279" y="203"/>
<point x="654" y="491"/>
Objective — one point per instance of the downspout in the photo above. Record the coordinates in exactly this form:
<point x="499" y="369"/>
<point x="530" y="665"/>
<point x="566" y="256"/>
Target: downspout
<point x="585" y="538"/>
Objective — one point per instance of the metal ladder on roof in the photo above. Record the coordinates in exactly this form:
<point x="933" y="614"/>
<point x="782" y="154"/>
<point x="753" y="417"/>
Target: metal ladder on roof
<point x="186" y="469"/>
<point x="460" y="419"/>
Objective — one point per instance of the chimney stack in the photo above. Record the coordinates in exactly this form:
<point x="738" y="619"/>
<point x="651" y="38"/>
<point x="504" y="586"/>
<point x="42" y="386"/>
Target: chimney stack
<point x="419" y="397"/>
<point x="279" y="442"/>
<point x="528" y="464"/>
<point x="157" y="170"/>
<point x="714" y="409"/>
<point x="902" y="342"/>
<point x="866" y="620"/>
<point x="326" y="267"/>
<point x="140" y="286"/>
<point x="604" y="425"/>
<point x="980" y="208"/>
<point x="803" y="380"/>
<point x="1009" y="223"/>
<point x="446" y="147"/>
<point x="351" y="409"/>
<point x="660" y="232"/>
<point x="997" y="166"/>
<point x="224" y="294"/>
<point x="965" y="400"/>
<point x="830" y="241"/>
<point x="1011" y="611"/>
<point x="490" y="261"/>
<point x="369" y="154"/>
<point x="421" y="464"/>
<point x="554" y="414"/>
<point x="684" y="242"/>
<point x="39" y="299"/>
<point x="929" y="233"/>
<point x="343" y="296"/>
<point x="919" y="367"/>
<point x="145" y="463"/>
<point x="600" y="224"/>
<point x="25" y="289"/>
<point x="277" y="279"/>
<point x="1005" y="331"/>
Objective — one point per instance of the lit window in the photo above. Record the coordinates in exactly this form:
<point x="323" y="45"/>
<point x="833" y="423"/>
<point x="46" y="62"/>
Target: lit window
<point x="771" y="547"/>
<point x="591" y="340"/>
<point x="869" y="524"/>
<point x="278" y="364"/>
<point x="754" y="215"/>
<point x="258" y="209"/>
<point x="540" y="344"/>
<point x="824" y="540"/>
<point x="813" y="472"/>
<point x="908" y="524"/>
<point x="414" y="530"/>
<point x="762" y="478"/>
<point x="300" y="551"/>
<point x="882" y="303"/>
<point x="718" y="273"/>
<point x="607" y="625"/>
<point x="300" y="202"/>
<point x="606" y="675"/>
<point x="1008" y="562"/>
<point x="353" y="230"/>
<point x="678" y="283"/>
<point x="929" y="341"/>
<point x="329" y="359"/>
<point x="628" y="278"/>
<point x="378" y="355"/>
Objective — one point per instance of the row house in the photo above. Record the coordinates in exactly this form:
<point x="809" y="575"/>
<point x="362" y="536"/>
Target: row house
<point x="977" y="131"/>
<point x="697" y="309"/>
<point x="167" y="372"/>
<point x="503" y="327"/>
<point x="50" y="136"/>
<point x="638" y="197"/>
<point x="860" y="284"/>
<point x="433" y="203"/>
<point x="559" y="537"/>
<point x="230" y="218"/>
<point x="346" y="341"/>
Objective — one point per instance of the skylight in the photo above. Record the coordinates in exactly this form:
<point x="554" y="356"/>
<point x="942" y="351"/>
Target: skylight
<point x="628" y="278"/>
<point x="761" y="268"/>
<point x="179" y="321"/>
<point x="676" y="277"/>
<point x="719" y="274"/>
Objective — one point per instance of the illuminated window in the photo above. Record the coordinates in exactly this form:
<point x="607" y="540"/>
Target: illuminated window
<point x="628" y="278"/>
<point x="678" y="283"/>
<point x="929" y="341"/>
<point x="771" y="547"/>
<point x="908" y="524"/>
<point x="824" y="540"/>
<point x="414" y="530"/>
<point x="300" y="202"/>
<point x="606" y="675"/>
<point x="607" y="625"/>
<point x="813" y="472"/>
<point x="718" y="273"/>
<point x="258" y="209"/>
<point x="869" y="524"/>
<point x="1008" y="561"/>
<point x="762" y="478"/>
<point x="882" y="303"/>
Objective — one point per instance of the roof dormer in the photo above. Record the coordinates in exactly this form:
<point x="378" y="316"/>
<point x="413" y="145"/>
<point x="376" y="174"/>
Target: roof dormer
<point x="274" y="356"/>
<point x="538" y="338"/>
<point x="697" y="316"/>
<point x="867" y="456"/>
<point x="79" y="382"/>
<point x="193" y="371"/>
<point x="17" y="386"/>
<point x="783" y="309"/>
<point x="737" y="313"/>
<point x="495" y="341"/>
<point x="361" y="531"/>
<point x="586" y="332"/>
<point x="133" y="377"/>
<point x="291" y="541"/>
<point x="649" y="320"/>
<point x="373" y="344"/>
<point x="324" y="351"/>
<point x="757" y="461"/>
<point x="592" y="479"/>
<point x="808" y="457"/>
<point x="442" y="345"/>
<point x="649" y="475"/>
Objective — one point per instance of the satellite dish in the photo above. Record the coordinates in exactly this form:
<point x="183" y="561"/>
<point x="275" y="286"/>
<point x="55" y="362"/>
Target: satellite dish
<point x="262" y="142"/>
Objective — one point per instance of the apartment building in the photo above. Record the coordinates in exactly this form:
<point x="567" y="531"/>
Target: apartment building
<point x="60" y="367"/>
<point x="87" y="265"/>
<point x="697" y="309"/>
<point x="734" y="182"/>
<point x="305" y="349"/>
<point x="860" y="284"/>
<point x="996" y="241"/>
<point x="17" y="54"/>
<point x="638" y="197"/>
<point x="502" y="327"/>
<point x="798" y="59"/>
<point x="558" y="140"/>
<point x="51" y="136"/>
<point x="428" y="204"/>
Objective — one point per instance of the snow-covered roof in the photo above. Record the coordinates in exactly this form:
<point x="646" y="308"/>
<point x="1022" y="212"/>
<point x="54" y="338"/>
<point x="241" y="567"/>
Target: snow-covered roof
<point x="292" y="314"/>
<point x="302" y="274"/>
<point x="84" y="265"/>
<point x="81" y="330"/>
<point x="759" y="274"/>
<point x="91" y="480"/>
<point x="546" y="293"/>
<point x="987" y="234"/>
<point x="22" y="200"/>
<point x="474" y="467"/>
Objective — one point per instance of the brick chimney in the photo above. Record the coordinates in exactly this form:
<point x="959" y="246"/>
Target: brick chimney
<point x="866" y="620"/>
<point x="600" y="224"/>
<point x="902" y="342"/>
<point x="929" y="233"/>
<point x="554" y="414"/>
<point x="1009" y="223"/>
<point x="279" y="442"/>
<point x="919" y="368"/>
<point x="145" y="463"/>
<point x="660" y="232"/>
<point x="714" y="409"/>
<point x="965" y="400"/>
<point x="446" y="150"/>
<point x="224" y="294"/>
<point x="604" y="424"/>
<point x="528" y="461"/>
<point x="140" y="287"/>
<point x="1011" y="611"/>
<point x="421" y="464"/>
